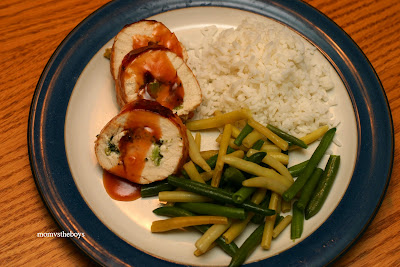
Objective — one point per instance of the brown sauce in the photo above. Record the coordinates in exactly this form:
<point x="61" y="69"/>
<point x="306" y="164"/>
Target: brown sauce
<point x="143" y="130"/>
<point x="161" y="36"/>
<point x="156" y="78"/>
<point x="119" y="188"/>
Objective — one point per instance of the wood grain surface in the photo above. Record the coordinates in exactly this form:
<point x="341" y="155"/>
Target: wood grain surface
<point x="30" y="31"/>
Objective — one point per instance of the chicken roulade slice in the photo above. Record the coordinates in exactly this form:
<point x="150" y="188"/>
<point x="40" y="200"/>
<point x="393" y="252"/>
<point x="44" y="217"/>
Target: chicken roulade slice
<point x="141" y="34"/>
<point x="156" y="73"/>
<point x="144" y="143"/>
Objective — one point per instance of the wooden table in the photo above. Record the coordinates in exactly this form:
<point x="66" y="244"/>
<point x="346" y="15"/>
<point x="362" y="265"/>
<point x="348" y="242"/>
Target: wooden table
<point x="30" y="31"/>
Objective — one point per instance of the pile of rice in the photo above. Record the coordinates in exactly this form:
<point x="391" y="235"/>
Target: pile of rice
<point x="265" y="67"/>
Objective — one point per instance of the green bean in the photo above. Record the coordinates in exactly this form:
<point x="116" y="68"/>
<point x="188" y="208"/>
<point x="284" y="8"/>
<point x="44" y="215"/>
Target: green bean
<point x="230" y="150"/>
<point x="172" y="211"/>
<point x="308" y="189"/>
<point x="311" y="165"/>
<point x="233" y="176"/>
<point x="259" y="218"/>
<point x="214" y="209"/>
<point x="323" y="187"/>
<point x="212" y="161"/>
<point x="286" y="136"/>
<point x="150" y="190"/>
<point x="231" y="248"/>
<point x="295" y="170"/>
<point x="296" y="228"/>
<point x="243" y="133"/>
<point x="257" y="157"/>
<point x="186" y="175"/>
<point x="248" y="247"/>
<point x="217" y="194"/>
<point x="258" y="145"/>
<point x="242" y="194"/>
<point x="229" y="188"/>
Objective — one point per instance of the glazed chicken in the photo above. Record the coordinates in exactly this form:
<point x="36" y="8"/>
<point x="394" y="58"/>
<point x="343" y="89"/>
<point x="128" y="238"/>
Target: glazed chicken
<point x="156" y="73"/>
<point x="144" y="143"/>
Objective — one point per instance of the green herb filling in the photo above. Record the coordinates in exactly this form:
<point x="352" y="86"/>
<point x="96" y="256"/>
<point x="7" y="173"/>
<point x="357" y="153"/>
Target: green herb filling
<point x="111" y="147"/>
<point x="156" y="156"/>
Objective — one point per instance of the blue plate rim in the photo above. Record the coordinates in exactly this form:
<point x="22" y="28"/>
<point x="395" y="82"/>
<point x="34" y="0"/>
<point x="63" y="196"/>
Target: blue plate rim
<point x="49" y="104"/>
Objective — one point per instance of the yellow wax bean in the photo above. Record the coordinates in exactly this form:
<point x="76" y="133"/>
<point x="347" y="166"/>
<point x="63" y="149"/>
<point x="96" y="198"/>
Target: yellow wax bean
<point x="179" y="222"/>
<point x="219" y="120"/>
<point x="282" y="144"/>
<point x="226" y="136"/>
<point x="192" y="172"/>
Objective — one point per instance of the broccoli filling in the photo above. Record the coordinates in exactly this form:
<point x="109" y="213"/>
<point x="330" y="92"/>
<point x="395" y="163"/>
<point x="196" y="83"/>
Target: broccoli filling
<point x="154" y="88"/>
<point x="111" y="147"/>
<point x="178" y="107"/>
<point x="156" y="156"/>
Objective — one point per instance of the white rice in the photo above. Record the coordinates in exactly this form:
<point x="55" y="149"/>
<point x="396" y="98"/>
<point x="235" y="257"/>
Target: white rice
<point x="266" y="67"/>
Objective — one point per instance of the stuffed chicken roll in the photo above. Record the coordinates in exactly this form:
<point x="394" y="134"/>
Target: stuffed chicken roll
<point x="144" y="143"/>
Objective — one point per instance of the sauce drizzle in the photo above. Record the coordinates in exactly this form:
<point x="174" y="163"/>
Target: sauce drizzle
<point x="143" y="129"/>
<point x="156" y="78"/>
<point x="119" y="188"/>
<point x="161" y="36"/>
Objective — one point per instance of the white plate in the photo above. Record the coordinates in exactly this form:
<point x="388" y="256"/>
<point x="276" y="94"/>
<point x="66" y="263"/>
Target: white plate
<point x="93" y="104"/>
